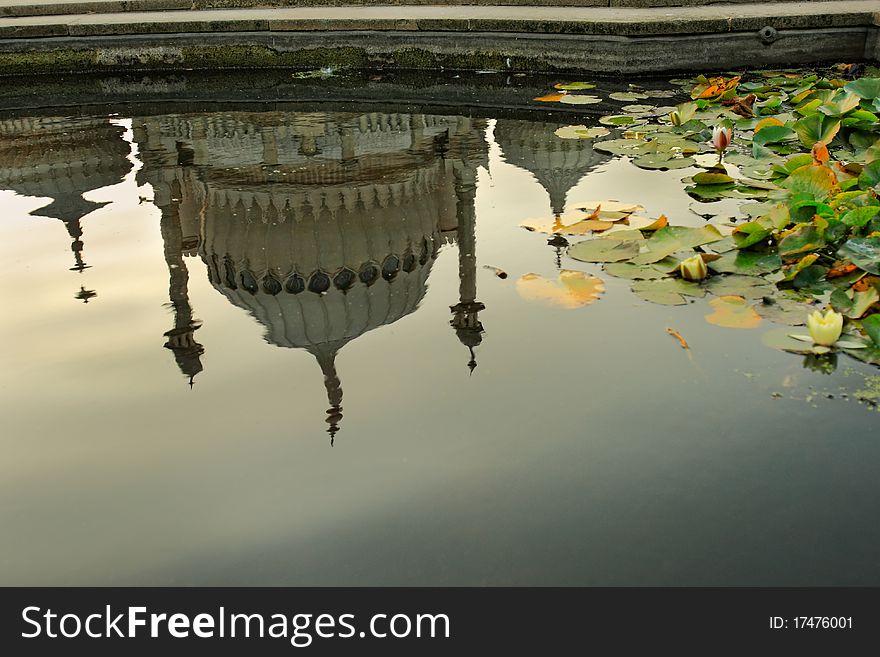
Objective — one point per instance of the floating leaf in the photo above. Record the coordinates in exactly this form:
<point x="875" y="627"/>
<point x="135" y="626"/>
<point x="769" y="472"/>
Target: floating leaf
<point x="863" y="252"/>
<point x="783" y="311"/>
<point x="765" y="123"/>
<point x="671" y="239"/>
<point x="580" y="132"/>
<point x="663" y="161"/>
<point x="817" y="180"/>
<point x="867" y="88"/>
<point x="604" y="250"/>
<point x="802" y="240"/>
<point x="638" y="109"/>
<point x="572" y="289"/>
<point x="749" y="287"/>
<point x="733" y="312"/>
<point x="749" y="234"/>
<point x="816" y="127"/>
<point x="609" y="210"/>
<point x="862" y="301"/>
<point x="618" y="120"/>
<point x="860" y="216"/>
<point x="780" y="338"/>
<point x="774" y="134"/>
<point x="871" y="324"/>
<point x="627" y="96"/>
<point x="667" y="291"/>
<point x="574" y="86"/>
<point x="634" y="272"/>
<point x="550" y="98"/>
<point x="579" y="99"/>
<point x="746" y="262"/>
<point x="714" y="87"/>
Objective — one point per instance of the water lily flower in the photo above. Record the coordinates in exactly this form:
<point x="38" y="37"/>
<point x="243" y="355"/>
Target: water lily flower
<point x="721" y="138"/>
<point x="825" y="329"/>
<point x="693" y="268"/>
<point x="675" y="118"/>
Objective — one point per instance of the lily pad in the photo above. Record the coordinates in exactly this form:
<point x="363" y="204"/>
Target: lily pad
<point x="749" y="287"/>
<point x="748" y="263"/>
<point x="633" y="272"/>
<point x="864" y="252"/>
<point x="663" y="161"/>
<point x="668" y="291"/>
<point x="580" y="132"/>
<point x="579" y="99"/>
<point x="780" y="338"/>
<point x="604" y="250"/>
<point x="574" y="86"/>
<point x="783" y="311"/>
<point x="669" y="240"/>
<point x="618" y="120"/>
<point x="627" y="96"/>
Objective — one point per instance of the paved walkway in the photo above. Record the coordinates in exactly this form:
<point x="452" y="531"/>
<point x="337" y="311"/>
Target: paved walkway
<point x="600" y="38"/>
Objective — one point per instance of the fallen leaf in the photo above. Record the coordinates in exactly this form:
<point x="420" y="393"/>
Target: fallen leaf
<point x="550" y="98"/>
<point x="572" y="289"/>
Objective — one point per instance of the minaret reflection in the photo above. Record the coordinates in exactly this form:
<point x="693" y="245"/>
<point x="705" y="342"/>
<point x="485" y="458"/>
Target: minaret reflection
<point x="323" y="226"/>
<point x="557" y="164"/>
<point x="63" y="158"/>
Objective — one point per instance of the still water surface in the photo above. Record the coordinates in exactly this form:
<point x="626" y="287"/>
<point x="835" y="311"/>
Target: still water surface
<point x="256" y="348"/>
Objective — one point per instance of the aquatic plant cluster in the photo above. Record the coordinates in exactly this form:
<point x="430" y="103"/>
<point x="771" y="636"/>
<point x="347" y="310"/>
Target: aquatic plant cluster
<point x="801" y="152"/>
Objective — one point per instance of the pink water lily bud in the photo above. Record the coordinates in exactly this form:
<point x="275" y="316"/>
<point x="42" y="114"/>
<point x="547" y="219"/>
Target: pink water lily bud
<point x="721" y="138"/>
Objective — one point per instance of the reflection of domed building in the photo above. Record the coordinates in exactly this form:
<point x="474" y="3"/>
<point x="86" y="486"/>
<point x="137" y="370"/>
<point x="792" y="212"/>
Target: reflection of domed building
<point x="322" y="226"/>
<point x="63" y="158"/>
<point x="558" y="164"/>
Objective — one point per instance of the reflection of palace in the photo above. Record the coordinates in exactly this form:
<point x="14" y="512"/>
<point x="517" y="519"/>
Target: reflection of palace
<point x="321" y="226"/>
<point x="63" y="158"/>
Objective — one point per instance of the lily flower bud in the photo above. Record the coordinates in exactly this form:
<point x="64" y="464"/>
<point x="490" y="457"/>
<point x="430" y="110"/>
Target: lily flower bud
<point x="693" y="269"/>
<point x="825" y="329"/>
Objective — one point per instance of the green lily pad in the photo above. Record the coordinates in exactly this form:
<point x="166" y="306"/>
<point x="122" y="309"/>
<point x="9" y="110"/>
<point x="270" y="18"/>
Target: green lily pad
<point x="780" y="338"/>
<point x="746" y="262"/>
<point x="604" y="250"/>
<point x="633" y="272"/>
<point x="574" y="86"/>
<point x="627" y="96"/>
<point x="867" y="88"/>
<point x="669" y="240"/>
<point x="618" y="120"/>
<point x="668" y="291"/>
<point x="774" y="134"/>
<point x="860" y="216"/>
<point x="580" y="99"/>
<point x="871" y="324"/>
<point x="749" y="287"/>
<point x="783" y="311"/>
<point x="815" y="128"/>
<point x="863" y="252"/>
<point x="663" y="161"/>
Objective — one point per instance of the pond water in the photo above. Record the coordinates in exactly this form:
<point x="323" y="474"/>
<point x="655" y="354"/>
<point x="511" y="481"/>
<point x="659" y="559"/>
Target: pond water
<point x="314" y="346"/>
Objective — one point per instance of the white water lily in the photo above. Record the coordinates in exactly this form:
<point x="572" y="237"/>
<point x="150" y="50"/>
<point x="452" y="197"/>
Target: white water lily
<point x="825" y="329"/>
<point x="693" y="268"/>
